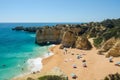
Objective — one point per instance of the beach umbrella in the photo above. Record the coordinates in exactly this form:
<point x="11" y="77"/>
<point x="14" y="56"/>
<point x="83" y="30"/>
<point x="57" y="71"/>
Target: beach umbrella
<point x="74" y="66"/>
<point x="73" y="75"/>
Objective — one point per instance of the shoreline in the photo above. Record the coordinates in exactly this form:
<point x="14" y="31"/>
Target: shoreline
<point x="97" y="65"/>
<point x="32" y="68"/>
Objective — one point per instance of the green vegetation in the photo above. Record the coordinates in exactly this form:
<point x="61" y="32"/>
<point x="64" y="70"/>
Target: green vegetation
<point x="114" y="32"/>
<point x="52" y="77"/>
<point x="111" y="23"/>
<point x="112" y="29"/>
<point x="29" y="78"/>
<point x="97" y="41"/>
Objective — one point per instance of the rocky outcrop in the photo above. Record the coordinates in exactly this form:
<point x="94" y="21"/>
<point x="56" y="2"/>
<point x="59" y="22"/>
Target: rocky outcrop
<point x="105" y="35"/>
<point x="67" y="35"/>
<point x="115" y="50"/>
<point x="83" y="43"/>
<point x="48" y="35"/>
<point x="108" y="44"/>
<point x="28" y="29"/>
<point x="54" y="34"/>
<point x="111" y="48"/>
<point x="18" y="28"/>
<point x="68" y="39"/>
<point x="115" y="76"/>
<point x="95" y="30"/>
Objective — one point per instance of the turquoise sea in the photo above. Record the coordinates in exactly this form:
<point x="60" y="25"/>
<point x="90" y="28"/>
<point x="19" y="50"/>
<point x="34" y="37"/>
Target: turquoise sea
<point x="18" y="50"/>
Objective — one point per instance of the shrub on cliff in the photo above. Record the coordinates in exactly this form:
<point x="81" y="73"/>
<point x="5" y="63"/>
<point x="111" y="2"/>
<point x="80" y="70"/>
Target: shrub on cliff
<point x="29" y="78"/>
<point x="115" y="76"/>
<point x="112" y="30"/>
<point x="52" y="77"/>
<point x="110" y="23"/>
<point x="98" y="41"/>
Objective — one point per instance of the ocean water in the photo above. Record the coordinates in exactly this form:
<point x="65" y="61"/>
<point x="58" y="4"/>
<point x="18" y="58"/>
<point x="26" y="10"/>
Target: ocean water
<point x="18" y="51"/>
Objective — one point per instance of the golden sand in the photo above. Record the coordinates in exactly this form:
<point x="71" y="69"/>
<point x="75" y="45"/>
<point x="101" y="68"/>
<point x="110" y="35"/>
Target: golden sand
<point x="97" y="65"/>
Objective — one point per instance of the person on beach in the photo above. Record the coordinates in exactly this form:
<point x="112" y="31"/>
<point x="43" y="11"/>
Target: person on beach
<point x="74" y="66"/>
<point x="73" y="76"/>
<point x="34" y="73"/>
<point x="84" y="63"/>
<point x="117" y="63"/>
<point x="65" y="51"/>
<point x="79" y="56"/>
<point x="48" y="53"/>
<point x="110" y="59"/>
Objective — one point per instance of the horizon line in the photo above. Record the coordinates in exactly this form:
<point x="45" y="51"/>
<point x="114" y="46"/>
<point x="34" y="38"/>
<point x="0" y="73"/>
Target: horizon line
<point x="43" y="22"/>
<point x="57" y="21"/>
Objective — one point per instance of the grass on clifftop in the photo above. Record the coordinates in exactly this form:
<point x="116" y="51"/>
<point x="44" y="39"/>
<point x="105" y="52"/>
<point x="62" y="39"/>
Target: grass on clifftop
<point x="52" y="77"/>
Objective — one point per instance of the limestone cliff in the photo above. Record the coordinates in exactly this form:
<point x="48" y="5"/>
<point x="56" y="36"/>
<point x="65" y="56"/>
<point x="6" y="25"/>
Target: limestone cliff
<point x="68" y="39"/>
<point x="111" y="47"/>
<point x="67" y="35"/>
<point x="48" y="35"/>
<point x="106" y="35"/>
<point x="83" y="43"/>
<point x="107" y="45"/>
<point x="115" y="50"/>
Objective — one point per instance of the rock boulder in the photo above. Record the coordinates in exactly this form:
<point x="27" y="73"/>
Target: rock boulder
<point x="83" y="43"/>
<point x="48" y="35"/>
<point x="107" y="46"/>
<point x="115" y="50"/>
<point x="68" y="39"/>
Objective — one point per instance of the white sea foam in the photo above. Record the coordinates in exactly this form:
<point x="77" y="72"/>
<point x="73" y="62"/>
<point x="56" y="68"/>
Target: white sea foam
<point x="35" y="64"/>
<point x="52" y="45"/>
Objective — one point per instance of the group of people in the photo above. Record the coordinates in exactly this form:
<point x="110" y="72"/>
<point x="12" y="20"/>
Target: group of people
<point x="73" y="75"/>
<point x="74" y="65"/>
<point x="84" y="64"/>
<point x="111" y="60"/>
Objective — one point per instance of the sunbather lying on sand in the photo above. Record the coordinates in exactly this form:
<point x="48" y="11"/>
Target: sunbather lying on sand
<point x="84" y="63"/>
<point x="117" y="64"/>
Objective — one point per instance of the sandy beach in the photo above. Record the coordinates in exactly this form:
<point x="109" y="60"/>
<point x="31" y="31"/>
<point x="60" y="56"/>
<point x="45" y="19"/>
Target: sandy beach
<point x="97" y="65"/>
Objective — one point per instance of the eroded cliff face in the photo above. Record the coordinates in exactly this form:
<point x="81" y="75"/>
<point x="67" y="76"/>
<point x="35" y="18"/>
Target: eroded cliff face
<point x="68" y="39"/>
<point x="68" y="36"/>
<point x="83" y="43"/>
<point x="115" y="50"/>
<point x="106" y="35"/>
<point x="48" y="35"/>
<point x="111" y="47"/>
<point x="107" y="45"/>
